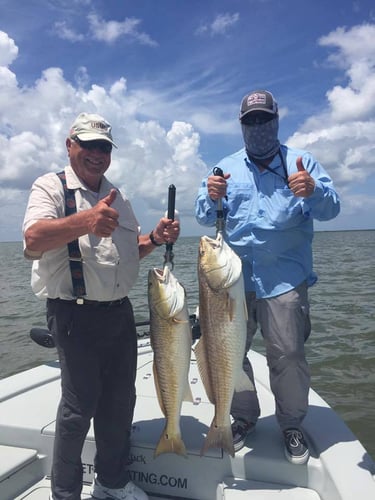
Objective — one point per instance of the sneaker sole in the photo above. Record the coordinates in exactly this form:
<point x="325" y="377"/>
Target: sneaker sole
<point x="106" y="497"/>
<point x="297" y="460"/>
<point x="240" y="444"/>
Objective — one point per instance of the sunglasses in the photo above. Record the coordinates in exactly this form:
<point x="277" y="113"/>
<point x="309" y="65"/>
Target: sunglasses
<point x="258" y="118"/>
<point x="103" y="146"/>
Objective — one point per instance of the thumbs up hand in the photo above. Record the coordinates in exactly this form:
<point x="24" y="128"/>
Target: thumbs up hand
<point x="103" y="219"/>
<point x="110" y="198"/>
<point x="301" y="183"/>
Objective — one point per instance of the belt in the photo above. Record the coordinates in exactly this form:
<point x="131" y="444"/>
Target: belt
<point x="96" y="303"/>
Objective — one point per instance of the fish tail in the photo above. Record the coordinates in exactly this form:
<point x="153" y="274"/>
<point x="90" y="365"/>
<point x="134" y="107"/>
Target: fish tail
<point x="170" y="444"/>
<point x="219" y="437"/>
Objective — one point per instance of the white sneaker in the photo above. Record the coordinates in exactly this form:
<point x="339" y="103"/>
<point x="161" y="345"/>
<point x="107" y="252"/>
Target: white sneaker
<point x="129" y="492"/>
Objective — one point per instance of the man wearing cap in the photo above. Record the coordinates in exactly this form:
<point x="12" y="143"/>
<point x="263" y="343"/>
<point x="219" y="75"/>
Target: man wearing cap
<point x="84" y="239"/>
<point x="271" y="194"/>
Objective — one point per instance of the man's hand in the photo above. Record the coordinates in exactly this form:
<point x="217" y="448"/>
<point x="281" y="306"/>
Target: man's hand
<point x="217" y="186"/>
<point x="103" y="218"/>
<point x="167" y="230"/>
<point x="301" y="183"/>
<point x="48" y="234"/>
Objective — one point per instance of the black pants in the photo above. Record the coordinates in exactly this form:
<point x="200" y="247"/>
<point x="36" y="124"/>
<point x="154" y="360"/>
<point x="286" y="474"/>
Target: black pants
<point x="97" y="348"/>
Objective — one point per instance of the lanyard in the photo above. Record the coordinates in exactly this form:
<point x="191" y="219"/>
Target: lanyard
<point x="267" y="167"/>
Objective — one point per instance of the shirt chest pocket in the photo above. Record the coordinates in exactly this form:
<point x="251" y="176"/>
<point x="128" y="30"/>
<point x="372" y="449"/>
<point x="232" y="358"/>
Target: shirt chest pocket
<point x="242" y="205"/>
<point x="106" y="252"/>
<point x="282" y="209"/>
<point x="109" y="251"/>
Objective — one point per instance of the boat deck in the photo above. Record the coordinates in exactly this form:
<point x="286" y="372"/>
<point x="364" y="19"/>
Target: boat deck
<point x="339" y="467"/>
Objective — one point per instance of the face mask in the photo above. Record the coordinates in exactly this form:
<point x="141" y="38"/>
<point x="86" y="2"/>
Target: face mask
<point x="261" y="140"/>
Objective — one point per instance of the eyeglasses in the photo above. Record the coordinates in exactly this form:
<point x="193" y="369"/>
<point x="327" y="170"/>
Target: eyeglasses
<point x="257" y="118"/>
<point x="103" y="146"/>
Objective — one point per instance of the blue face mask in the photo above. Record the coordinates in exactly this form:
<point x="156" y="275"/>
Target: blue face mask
<point x="261" y="140"/>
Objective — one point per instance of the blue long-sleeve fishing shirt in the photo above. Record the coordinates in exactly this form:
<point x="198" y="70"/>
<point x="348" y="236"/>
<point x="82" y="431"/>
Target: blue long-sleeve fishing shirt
<point x="266" y="224"/>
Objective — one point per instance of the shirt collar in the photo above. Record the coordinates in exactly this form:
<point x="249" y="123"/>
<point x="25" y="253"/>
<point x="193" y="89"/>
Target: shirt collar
<point x="74" y="182"/>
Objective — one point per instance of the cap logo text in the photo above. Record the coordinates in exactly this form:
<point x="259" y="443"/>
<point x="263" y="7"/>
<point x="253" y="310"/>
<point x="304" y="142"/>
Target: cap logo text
<point x="256" y="99"/>
<point x="99" y="125"/>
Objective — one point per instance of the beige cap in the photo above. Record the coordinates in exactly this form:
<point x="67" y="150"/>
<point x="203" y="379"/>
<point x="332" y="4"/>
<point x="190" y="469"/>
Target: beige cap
<point x="91" y="127"/>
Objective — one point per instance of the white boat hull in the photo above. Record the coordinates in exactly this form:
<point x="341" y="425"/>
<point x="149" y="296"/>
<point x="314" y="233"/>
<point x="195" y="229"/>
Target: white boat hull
<point x="339" y="467"/>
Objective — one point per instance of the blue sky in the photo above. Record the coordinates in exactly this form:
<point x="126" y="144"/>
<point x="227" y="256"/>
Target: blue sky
<point x="169" y="75"/>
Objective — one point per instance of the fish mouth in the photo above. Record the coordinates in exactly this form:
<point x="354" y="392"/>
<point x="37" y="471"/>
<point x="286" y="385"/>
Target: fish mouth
<point x="208" y="246"/>
<point x="218" y="264"/>
<point x="214" y="243"/>
<point x="162" y="275"/>
<point x="165" y="293"/>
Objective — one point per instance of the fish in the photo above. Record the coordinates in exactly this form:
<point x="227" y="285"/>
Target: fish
<point x="221" y="347"/>
<point x="171" y="341"/>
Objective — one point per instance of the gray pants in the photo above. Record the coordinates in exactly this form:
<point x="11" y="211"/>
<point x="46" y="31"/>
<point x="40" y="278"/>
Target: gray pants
<point x="97" y="349"/>
<point x="285" y="326"/>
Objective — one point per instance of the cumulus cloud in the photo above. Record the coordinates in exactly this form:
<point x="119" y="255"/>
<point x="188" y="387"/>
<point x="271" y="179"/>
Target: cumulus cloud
<point x="223" y="22"/>
<point x="220" y="25"/>
<point x="155" y="150"/>
<point x="110" y="31"/>
<point x="149" y="157"/>
<point x="355" y="54"/>
<point x="65" y="32"/>
<point x="8" y="80"/>
<point x="8" y="49"/>
<point x="342" y="135"/>
<point x="105" y="31"/>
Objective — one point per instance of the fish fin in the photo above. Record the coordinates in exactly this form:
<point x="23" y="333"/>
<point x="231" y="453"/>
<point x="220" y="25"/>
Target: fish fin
<point x="245" y="310"/>
<point x="170" y="444"/>
<point x="243" y="383"/>
<point x="157" y="387"/>
<point x="231" y="307"/>
<point x="201" y="355"/>
<point x="219" y="437"/>
<point x="231" y="301"/>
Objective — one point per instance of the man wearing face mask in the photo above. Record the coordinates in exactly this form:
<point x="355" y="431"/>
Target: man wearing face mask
<point x="271" y="193"/>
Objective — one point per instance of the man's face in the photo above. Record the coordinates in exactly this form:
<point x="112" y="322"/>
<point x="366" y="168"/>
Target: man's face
<point x="260" y="134"/>
<point x="89" y="160"/>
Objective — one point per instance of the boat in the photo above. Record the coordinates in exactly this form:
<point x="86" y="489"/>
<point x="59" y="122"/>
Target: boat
<point x="339" y="467"/>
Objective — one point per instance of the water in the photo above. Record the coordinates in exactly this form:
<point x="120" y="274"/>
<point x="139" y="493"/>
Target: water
<point x="341" y="349"/>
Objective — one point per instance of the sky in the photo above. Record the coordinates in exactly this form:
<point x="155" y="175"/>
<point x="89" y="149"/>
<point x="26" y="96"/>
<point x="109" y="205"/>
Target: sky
<point x="169" y="75"/>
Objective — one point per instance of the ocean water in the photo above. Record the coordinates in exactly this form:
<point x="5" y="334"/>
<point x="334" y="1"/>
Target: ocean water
<point x="341" y="348"/>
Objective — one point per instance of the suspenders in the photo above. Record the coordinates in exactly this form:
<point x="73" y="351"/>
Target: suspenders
<point x="75" y="257"/>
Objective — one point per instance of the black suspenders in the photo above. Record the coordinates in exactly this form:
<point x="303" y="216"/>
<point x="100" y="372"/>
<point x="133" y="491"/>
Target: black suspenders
<point x="75" y="257"/>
